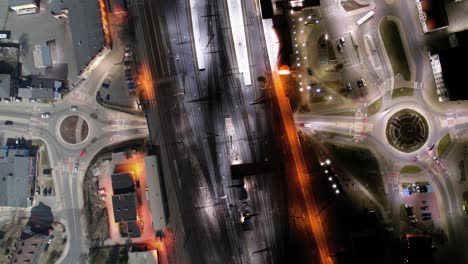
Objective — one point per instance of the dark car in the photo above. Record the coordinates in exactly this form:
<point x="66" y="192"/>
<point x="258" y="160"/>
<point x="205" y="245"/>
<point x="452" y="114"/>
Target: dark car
<point x="106" y="83"/>
<point x="427" y="218"/>
<point x="424" y="202"/>
<point x="361" y="83"/>
<point x="8" y="123"/>
<point x="423" y="189"/>
<point x="44" y="192"/>
<point x="49" y="191"/>
<point x="309" y="70"/>
<point x="342" y="42"/>
<point x="424" y="207"/>
<point x="348" y="86"/>
<point x="426" y="214"/>
<point x="431" y="146"/>
<point x="338" y="47"/>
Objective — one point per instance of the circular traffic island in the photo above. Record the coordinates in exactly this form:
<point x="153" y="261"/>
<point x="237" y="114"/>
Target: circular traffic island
<point x="407" y="130"/>
<point x="74" y="129"/>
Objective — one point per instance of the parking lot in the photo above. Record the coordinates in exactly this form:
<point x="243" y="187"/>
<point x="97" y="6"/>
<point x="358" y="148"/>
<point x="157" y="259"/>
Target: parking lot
<point x="40" y="29"/>
<point x="416" y="200"/>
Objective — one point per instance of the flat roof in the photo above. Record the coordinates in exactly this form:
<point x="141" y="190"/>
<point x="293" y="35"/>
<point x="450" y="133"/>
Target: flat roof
<point x="14" y="3"/>
<point x="453" y="73"/>
<point x="5" y="85"/>
<point x="86" y="28"/>
<point x="122" y="183"/>
<point x="146" y="257"/>
<point x="154" y="192"/>
<point x="124" y="207"/>
<point x="16" y="174"/>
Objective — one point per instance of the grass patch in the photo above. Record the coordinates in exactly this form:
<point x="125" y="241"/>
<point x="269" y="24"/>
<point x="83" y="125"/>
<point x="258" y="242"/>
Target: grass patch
<point x="443" y="144"/>
<point x="404" y="91"/>
<point x="374" y="108"/>
<point x="405" y="185"/>
<point x="343" y="114"/>
<point x="410" y="169"/>
<point x="392" y="40"/>
<point x="45" y="159"/>
<point x="421" y="183"/>
<point x="362" y="164"/>
<point x="333" y="134"/>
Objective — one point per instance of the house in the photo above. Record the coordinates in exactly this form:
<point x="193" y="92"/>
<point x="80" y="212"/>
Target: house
<point x="22" y="7"/>
<point x="5" y="85"/>
<point x="37" y="87"/>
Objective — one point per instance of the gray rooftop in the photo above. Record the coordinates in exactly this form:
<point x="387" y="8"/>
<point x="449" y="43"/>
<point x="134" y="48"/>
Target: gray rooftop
<point x="16" y="174"/>
<point x="85" y="26"/>
<point x="122" y="183"/>
<point x="5" y="84"/>
<point x="124" y="206"/>
<point x="14" y="3"/>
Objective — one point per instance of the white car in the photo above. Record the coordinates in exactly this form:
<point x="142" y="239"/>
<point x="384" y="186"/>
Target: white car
<point x="73" y="108"/>
<point x="75" y="168"/>
<point x="45" y="115"/>
<point x="32" y="100"/>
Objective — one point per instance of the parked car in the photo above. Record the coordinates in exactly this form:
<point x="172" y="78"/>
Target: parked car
<point x="75" y="168"/>
<point x="426" y="218"/>
<point x="431" y="146"/>
<point x="339" y="48"/>
<point x="426" y="214"/>
<point x="348" y="86"/>
<point x="8" y="123"/>
<point x="361" y="83"/>
<point x="309" y="70"/>
<point x="6" y="100"/>
<point x="128" y="53"/>
<point x="45" y="115"/>
<point x="73" y="108"/>
<point x="18" y="99"/>
<point x="32" y="100"/>
<point x="83" y="153"/>
<point x="342" y="42"/>
<point x="424" y="207"/>
<point x="106" y="83"/>
<point x="128" y="48"/>
<point x="424" y="202"/>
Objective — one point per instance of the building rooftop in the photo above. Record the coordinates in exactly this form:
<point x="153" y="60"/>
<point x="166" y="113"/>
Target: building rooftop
<point x="5" y="85"/>
<point x="133" y="229"/>
<point x="124" y="206"/>
<point x="122" y="183"/>
<point x="86" y="28"/>
<point x="155" y="193"/>
<point x="454" y="74"/>
<point x="17" y="172"/>
<point x="146" y="257"/>
<point x="14" y="3"/>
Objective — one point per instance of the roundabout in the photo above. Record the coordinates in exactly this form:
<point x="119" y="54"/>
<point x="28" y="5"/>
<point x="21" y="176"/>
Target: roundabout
<point x="407" y="130"/>
<point x="74" y="129"/>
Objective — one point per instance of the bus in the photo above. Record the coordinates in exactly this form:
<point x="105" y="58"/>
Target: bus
<point x="365" y="18"/>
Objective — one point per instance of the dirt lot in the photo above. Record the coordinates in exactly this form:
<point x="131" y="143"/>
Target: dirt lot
<point x="11" y="229"/>
<point x="96" y="213"/>
<point x="106" y="255"/>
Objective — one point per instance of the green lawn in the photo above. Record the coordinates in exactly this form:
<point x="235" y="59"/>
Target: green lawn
<point x="362" y="164"/>
<point x="404" y="91"/>
<point x="343" y="114"/>
<point x="393" y="44"/>
<point x="443" y="144"/>
<point x="410" y="169"/>
<point x="374" y="108"/>
<point x="45" y="159"/>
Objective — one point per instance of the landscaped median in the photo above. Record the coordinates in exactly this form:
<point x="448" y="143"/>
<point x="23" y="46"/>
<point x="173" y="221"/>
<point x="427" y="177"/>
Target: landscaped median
<point x="443" y="144"/>
<point x="403" y="91"/>
<point x="391" y="37"/>
<point x="410" y="169"/>
<point x="374" y="108"/>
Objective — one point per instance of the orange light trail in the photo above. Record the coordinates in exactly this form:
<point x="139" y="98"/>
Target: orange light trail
<point x="145" y="82"/>
<point x="105" y="23"/>
<point x="312" y="216"/>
